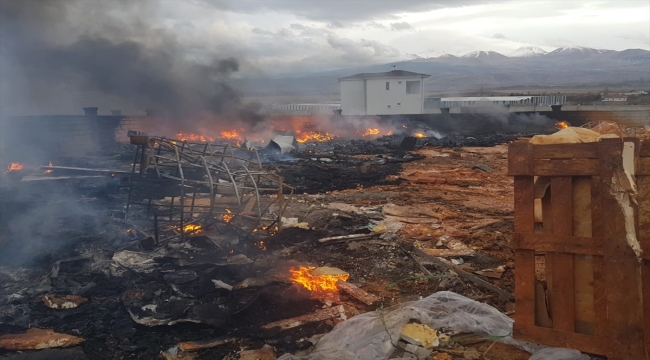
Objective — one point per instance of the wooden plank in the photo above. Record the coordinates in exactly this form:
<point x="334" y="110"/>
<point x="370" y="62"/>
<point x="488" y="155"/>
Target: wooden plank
<point x="524" y="259"/>
<point x="204" y="344"/>
<point x="643" y="166"/>
<point x="520" y="156"/>
<point x="583" y="269"/>
<point x="558" y="243"/>
<point x="547" y="228"/>
<point x="643" y="199"/>
<point x="318" y="315"/>
<point x="645" y="278"/>
<point x="524" y="204"/>
<point x="561" y="296"/>
<point x="551" y="337"/>
<point x="600" y="300"/>
<point x="248" y="209"/>
<point x="621" y="270"/>
<point x="342" y="238"/>
<point x="566" y="151"/>
<point x="357" y="293"/>
<point x="78" y="169"/>
<point x="565" y="167"/>
<point x="449" y="252"/>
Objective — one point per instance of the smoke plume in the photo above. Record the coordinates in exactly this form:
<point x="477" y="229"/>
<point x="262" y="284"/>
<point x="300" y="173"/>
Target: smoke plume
<point x="110" y="49"/>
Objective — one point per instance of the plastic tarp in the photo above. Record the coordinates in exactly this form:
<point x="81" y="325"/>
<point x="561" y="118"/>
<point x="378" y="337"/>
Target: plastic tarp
<point x="371" y="336"/>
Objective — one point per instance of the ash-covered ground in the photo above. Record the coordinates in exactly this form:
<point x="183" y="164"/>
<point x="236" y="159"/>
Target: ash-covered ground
<point x="76" y="227"/>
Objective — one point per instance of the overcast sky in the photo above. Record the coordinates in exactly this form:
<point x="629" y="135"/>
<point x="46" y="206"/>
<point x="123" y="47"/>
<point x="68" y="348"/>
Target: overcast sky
<point x="302" y="35"/>
<point x="281" y="36"/>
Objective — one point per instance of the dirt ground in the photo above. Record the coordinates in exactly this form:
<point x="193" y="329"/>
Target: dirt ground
<point x="476" y="210"/>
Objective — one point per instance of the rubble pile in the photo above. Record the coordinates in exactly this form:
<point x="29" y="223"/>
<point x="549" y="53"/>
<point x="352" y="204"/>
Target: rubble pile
<point x="181" y="278"/>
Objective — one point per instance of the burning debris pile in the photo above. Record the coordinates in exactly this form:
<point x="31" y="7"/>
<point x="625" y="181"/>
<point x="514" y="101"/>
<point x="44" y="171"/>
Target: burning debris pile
<point x="204" y="249"/>
<point x="220" y="187"/>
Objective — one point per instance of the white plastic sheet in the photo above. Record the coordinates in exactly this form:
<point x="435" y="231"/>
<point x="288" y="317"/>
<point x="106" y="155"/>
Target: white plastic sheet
<point x="370" y="336"/>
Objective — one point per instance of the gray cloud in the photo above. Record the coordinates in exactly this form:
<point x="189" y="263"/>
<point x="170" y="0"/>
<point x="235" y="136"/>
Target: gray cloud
<point x="259" y="31"/>
<point x="340" y="10"/>
<point x="298" y="27"/>
<point x="375" y="25"/>
<point x="499" y="36"/>
<point x="401" y="26"/>
<point x="361" y="51"/>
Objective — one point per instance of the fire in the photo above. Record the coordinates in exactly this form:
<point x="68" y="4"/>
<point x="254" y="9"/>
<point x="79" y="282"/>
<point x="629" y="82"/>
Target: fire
<point x="419" y="135"/>
<point x="230" y="135"/>
<point x="389" y="133"/>
<point x="49" y="171"/>
<point x="14" y="167"/>
<point x="371" y="131"/>
<point x="228" y="216"/>
<point x="191" y="228"/>
<point x="194" y="137"/>
<point x="260" y="244"/>
<point x="562" y="125"/>
<point x="312" y="135"/>
<point x="271" y="230"/>
<point x="303" y="276"/>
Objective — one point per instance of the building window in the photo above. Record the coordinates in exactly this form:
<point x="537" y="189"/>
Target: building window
<point x="413" y="87"/>
<point x="387" y="85"/>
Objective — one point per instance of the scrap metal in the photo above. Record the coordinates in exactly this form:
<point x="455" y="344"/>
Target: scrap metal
<point x="215" y="185"/>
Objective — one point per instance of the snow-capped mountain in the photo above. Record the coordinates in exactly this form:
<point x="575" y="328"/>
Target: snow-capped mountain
<point x="577" y="51"/>
<point x="432" y="53"/>
<point x="528" y="51"/>
<point x="483" y="54"/>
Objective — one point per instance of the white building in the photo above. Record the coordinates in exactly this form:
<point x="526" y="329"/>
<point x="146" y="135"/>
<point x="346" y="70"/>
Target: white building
<point x="396" y="92"/>
<point x="614" y="97"/>
<point x="537" y="100"/>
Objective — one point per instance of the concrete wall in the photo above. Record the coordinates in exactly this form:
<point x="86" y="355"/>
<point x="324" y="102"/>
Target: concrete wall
<point x="42" y="138"/>
<point x="394" y="101"/>
<point x="353" y="97"/>
<point x="137" y="123"/>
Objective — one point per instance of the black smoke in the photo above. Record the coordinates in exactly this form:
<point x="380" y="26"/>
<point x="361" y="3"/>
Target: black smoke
<point x="116" y="49"/>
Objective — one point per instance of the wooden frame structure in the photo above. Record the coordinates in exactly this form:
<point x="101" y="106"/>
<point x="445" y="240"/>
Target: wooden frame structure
<point x="578" y="284"/>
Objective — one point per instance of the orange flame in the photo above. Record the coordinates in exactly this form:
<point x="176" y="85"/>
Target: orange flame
<point x="49" y="171"/>
<point x="260" y="244"/>
<point x="371" y="131"/>
<point x="419" y="135"/>
<point x="192" y="228"/>
<point x="562" y="125"/>
<point x="230" y="135"/>
<point x="228" y="216"/>
<point x="312" y="135"/>
<point x="194" y="137"/>
<point x="14" y="167"/>
<point x="304" y="277"/>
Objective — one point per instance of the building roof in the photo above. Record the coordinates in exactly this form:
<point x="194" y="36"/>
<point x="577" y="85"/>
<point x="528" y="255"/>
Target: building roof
<point x="382" y="75"/>
<point x="487" y="98"/>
